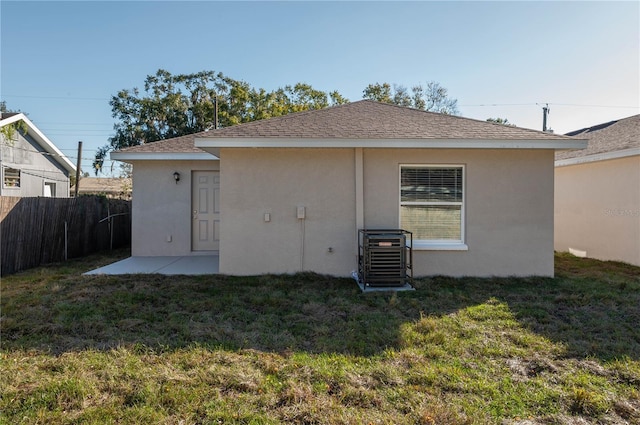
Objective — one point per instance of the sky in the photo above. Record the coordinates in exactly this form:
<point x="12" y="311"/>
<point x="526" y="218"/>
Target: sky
<point x="60" y="62"/>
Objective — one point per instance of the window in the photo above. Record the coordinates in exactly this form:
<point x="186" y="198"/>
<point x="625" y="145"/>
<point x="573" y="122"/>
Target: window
<point x="49" y="190"/>
<point x="11" y="177"/>
<point x="432" y="205"/>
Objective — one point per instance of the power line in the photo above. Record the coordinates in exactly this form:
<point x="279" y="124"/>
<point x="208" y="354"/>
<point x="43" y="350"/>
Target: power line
<point x="554" y="104"/>
<point x="594" y="106"/>
<point x="71" y="130"/>
<point x="76" y="150"/>
<point x="468" y="105"/>
<point x="41" y="173"/>
<point x="71" y="133"/>
<point x="73" y="123"/>
<point x="501" y="104"/>
<point x="55" y="97"/>
<point x="45" y="153"/>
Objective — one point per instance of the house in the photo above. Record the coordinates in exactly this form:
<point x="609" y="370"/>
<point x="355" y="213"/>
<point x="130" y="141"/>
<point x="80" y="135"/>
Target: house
<point x="111" y="187"/>
<point x="289" y="194"/>
<point x="31" y="165"/>
<point x="597" y="193"/>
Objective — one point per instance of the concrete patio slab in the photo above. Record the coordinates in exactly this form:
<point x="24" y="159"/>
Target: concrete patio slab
<point x="186" y="265"/>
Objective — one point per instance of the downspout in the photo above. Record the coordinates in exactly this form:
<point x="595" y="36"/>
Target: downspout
<point x="359" y="177"/>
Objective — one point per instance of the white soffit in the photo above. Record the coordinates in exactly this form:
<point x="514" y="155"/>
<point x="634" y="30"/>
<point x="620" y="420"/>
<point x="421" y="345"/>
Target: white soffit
<point x="162" y="156"/>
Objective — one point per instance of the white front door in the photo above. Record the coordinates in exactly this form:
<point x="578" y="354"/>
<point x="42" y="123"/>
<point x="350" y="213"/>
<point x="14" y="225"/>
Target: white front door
<point x="205" y="200"/>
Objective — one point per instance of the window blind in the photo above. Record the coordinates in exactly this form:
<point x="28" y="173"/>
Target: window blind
<point x="431" y="202"/>
<point x="431" y="185"/>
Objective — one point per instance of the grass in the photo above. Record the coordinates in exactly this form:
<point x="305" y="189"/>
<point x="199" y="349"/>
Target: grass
<point x="310" y="349"/>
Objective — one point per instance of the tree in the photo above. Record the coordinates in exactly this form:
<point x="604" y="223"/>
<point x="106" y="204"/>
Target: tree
<point x="177" y="105"/>
<point x="432" y="97"/>
<point x="5" y="109"/>
<point x="378" y="92"/>
<point x="502" y="121"/>
<point x="9" y="131"/>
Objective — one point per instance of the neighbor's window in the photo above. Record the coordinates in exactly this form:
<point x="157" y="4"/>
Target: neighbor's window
<point x="11" y="177"/>
<point x="49" y="190"/>
<point x="432" y="203"/>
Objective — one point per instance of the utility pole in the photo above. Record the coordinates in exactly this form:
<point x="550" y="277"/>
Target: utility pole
<point x="545" y="113"/>
<point x="215" y="113"/>
<point x="79" y="163"/>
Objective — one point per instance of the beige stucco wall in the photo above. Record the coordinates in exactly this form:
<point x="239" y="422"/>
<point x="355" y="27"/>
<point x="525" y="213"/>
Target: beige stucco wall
<point x="277" y="181"/>
<point x="161" y="208"/>
<point x="509" y="210"/>
<point x="597" y="209"/>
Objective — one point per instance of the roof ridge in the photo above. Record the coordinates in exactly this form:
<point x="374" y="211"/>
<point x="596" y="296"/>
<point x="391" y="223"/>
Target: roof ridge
<point x="302" y="114"/>
<point x="465" y="118"/>
<point x="290" y="115"/>
<point x="600" y="126"/>
<point x="612" y="136"/>
<point x="365" y="119"/>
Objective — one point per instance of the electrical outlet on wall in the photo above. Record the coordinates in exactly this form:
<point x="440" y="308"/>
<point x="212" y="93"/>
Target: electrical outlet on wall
<point x="301" y="212"/>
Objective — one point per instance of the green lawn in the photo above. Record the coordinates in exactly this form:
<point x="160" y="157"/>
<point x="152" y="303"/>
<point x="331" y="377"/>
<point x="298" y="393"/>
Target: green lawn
<point x="311" y="349"/>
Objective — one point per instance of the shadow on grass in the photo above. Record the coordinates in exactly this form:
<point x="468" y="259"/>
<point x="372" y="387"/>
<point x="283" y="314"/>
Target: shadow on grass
<point x="591" y="308"/>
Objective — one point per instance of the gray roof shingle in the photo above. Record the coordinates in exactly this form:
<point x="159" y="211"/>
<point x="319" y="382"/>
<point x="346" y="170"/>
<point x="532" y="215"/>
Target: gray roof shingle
<point x="182" y="144"/>
<point x="365" y="119"/>
<point x="608" y="137"/>
<point x="104" y="184"/>
<point x="5" y="115"/>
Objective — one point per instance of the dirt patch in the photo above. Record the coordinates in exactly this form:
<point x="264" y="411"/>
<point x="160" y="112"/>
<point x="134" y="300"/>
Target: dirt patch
<point x="525" y="369"/>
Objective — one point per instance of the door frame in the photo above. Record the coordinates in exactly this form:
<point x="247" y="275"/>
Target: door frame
<point x="192" y="207"/>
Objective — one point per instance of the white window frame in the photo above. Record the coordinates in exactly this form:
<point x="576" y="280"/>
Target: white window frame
<point x="52" y="189"/>
<point x="18" y="179"/>
<point x="437" y="244"/>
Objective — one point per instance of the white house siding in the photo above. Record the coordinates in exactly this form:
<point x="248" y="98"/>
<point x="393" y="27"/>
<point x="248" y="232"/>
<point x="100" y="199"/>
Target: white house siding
<point x="509" y="210"/>
<point x="36" y="169"/>
<point x="161" y="208"/>
<point x="597" y="209"/>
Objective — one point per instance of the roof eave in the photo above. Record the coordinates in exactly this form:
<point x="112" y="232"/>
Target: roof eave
<point x="213" y="144"/>
<point x="42" y="140"/>
<point x="603" y="156"/>
<point x="162" y="156"/>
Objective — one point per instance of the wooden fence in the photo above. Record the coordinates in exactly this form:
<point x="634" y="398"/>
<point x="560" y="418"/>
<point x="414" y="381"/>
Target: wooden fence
<point x="35" y="231"/>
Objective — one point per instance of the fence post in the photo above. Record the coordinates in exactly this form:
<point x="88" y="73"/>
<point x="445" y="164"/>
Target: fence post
<point x="66" y="248"/>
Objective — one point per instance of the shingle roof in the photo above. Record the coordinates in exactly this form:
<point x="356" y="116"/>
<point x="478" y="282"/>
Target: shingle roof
<point x="5" y="115"/>
<point x="365" y="119"/>
<point x="104" y="184"/>
<point x="182" y="144"/>
<point x="608" y="137"/>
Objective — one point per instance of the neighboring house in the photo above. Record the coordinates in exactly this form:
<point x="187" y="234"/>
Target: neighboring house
<point x="110" y="187"/>
<point x="290" y="193"/>
<point x="31" y="165"/>
<point x="597" y="201"/>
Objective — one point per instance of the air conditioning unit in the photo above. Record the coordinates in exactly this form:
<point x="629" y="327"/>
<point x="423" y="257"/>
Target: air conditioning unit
<point x="385" y="257"/>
